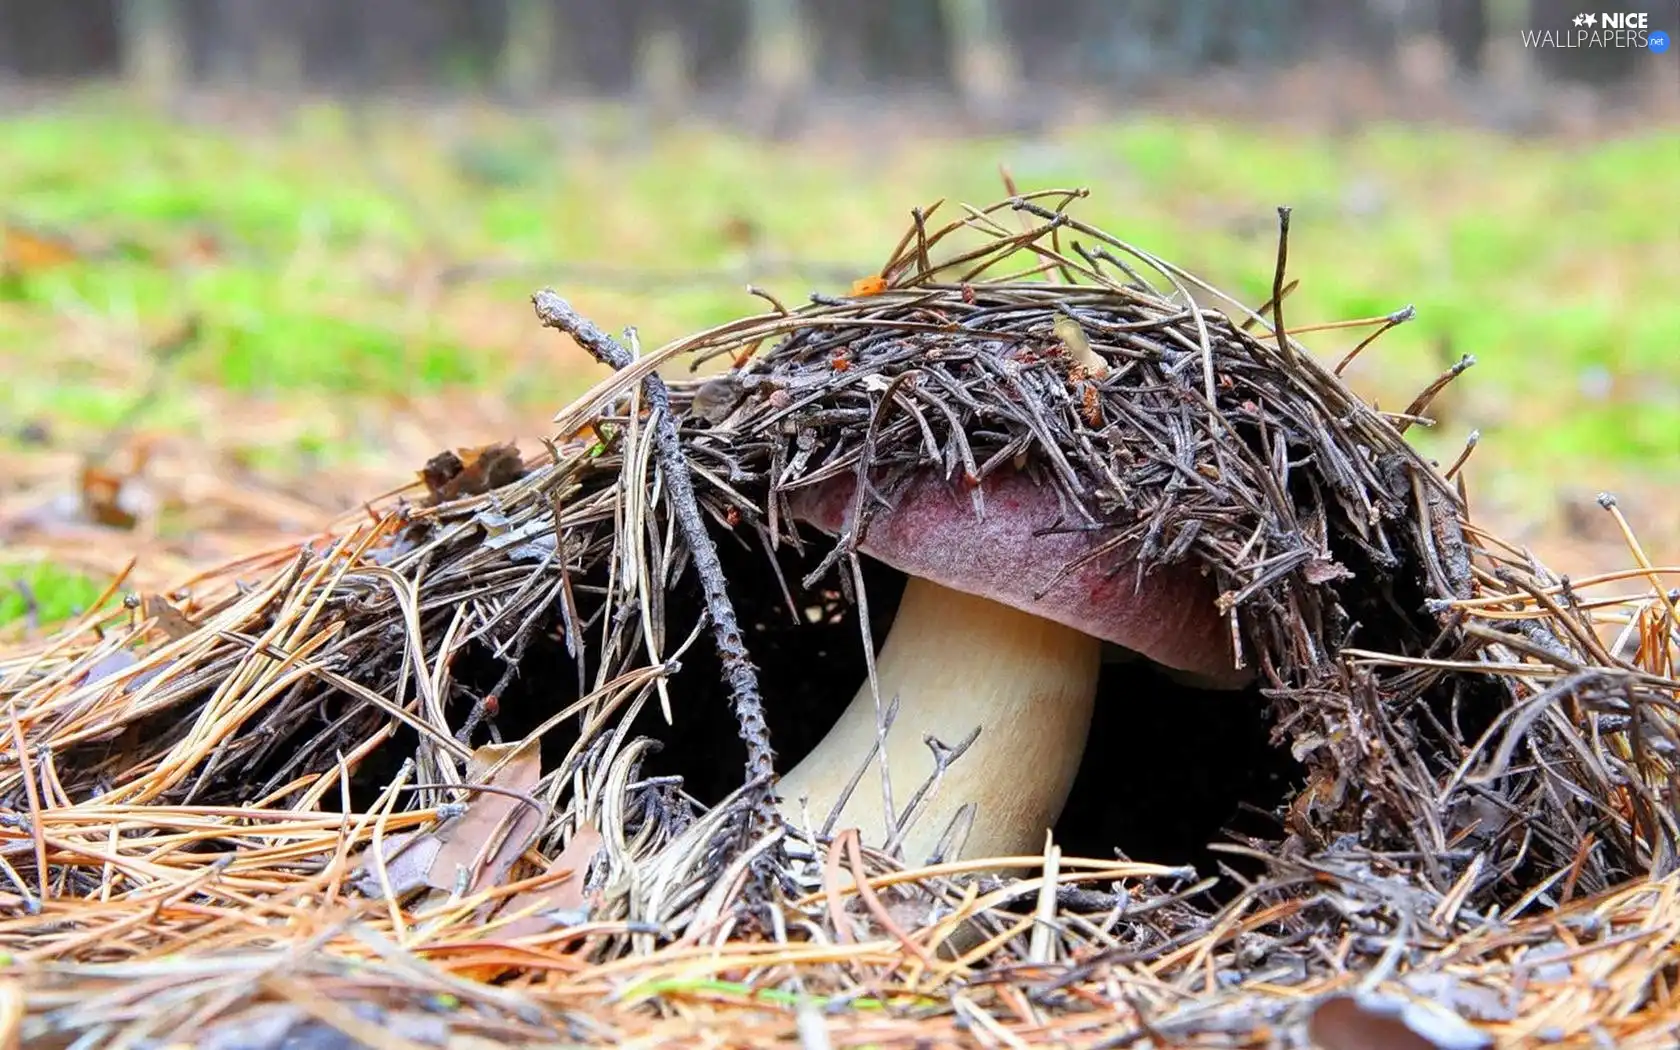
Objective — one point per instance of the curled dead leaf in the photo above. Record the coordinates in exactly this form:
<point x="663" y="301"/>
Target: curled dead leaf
<point x="498" y="826"/>
<point x="104" y="499"/>
<point x="408" y="865"/>
<point x="476" y="850"/>
<point x="1386" y="1022"/>
<point x="564" y="903"/>
<point x="452" y="475"/>
<point x="717" y="398"/>
<point x="171" y="621"/>
<point x="1324" y="570"/>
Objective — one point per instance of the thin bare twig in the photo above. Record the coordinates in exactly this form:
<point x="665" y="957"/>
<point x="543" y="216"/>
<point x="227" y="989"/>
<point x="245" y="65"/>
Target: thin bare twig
<point x="554" y="312"/>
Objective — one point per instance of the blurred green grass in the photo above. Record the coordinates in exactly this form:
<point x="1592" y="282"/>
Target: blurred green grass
<point x="50" y="593"/>
<point x="1554" y="263"/>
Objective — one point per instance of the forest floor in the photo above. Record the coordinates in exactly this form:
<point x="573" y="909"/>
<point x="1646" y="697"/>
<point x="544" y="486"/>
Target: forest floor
<point x="218" y="332"/>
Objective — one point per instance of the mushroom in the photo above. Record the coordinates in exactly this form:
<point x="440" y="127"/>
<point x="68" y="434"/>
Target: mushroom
<point x="1002" y="628"/>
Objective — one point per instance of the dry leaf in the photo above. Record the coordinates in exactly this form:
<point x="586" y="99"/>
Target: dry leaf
<point x="472" y="472"/>
<point x="408" y="865"/>
<point x="102" y="492"/>
<point x="489" y="837"/>
<point x="740" y="231"/>
<point x="1385" y="1022"/>
<point x="868" y="286"/>
<point x="484" y="842"/>
<point x="563" y="903"/>
<point x="1323" y="570"/>
<point x="171" y="621"/>
<point x="25" y="251"/>
<point x="717" y="398"/>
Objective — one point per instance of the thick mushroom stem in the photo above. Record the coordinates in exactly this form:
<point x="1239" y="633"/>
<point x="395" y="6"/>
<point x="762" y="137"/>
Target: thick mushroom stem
<point x="957" y="662"/>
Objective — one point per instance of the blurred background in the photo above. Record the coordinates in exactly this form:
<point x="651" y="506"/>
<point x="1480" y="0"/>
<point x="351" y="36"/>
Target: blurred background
<point x="260" y="260"/>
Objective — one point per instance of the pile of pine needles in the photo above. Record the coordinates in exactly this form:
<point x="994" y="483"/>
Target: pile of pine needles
<point x="281" y="801"/>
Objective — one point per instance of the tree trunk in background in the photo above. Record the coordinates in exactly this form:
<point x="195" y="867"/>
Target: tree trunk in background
<point x="665" y="49"/>
<point x="983" y="64"/>
<point x="1463" y="24"/>
<point x="877" y="45"/>
<point x="1101" y="44"/>
<point x="599" y="41"/>
<point x="715" y="35"/>
<point x="525" y="68"/>
<point x="70" y="38"/>
<point x="1371" y="30"/>
<point x="1048" y="49"/>
<point x="154" y="47"/>
<point x="423" y="45"/>
<point x="241" y="42"/>
<point x="664" y="77"/>
<point x="778" y="65"/>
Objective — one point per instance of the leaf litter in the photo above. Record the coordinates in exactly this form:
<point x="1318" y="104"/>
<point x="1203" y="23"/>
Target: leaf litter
<point x="1483" y="848"/>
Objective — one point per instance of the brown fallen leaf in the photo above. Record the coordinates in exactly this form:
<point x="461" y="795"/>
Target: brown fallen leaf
<point x="563" y="903"/>
<point x="740" y="231"/>
<point x="1324" y="570"/>
<point x="479" y="848"/>
<point x="717" y="398"/>
<point x="496" y="828"/>
<point x="1381" y="1022"/>
<point x="25" y="251"/>
<point x="102" y="498"/>
<point x="408" y="865"/>
<point x="472" y="471"/>
<point x="439" y="471"/>
<point x="171" y="621"/>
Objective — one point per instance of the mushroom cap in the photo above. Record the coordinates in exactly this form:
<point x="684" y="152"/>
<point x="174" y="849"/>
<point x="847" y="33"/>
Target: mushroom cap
<point x="931" y="531"/>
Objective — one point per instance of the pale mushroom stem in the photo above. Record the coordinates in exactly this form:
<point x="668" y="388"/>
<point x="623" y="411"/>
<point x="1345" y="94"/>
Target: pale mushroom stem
<point x="955" y="662"/>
